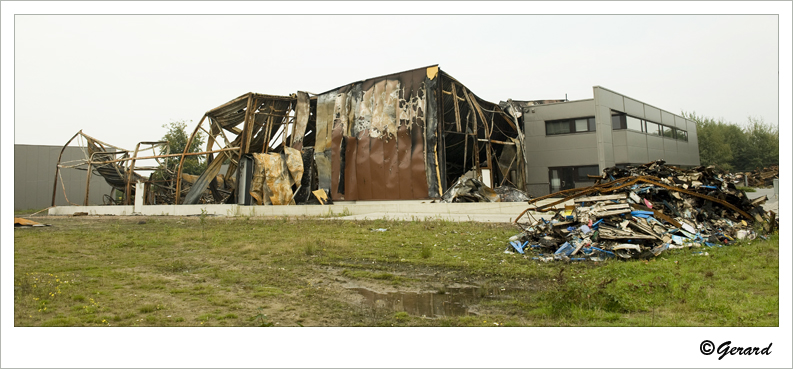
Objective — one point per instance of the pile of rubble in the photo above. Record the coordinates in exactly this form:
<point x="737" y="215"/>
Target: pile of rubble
<point x="470" y="189"/>
<point x="640" y="212"/>
<point x="756" y="178"/>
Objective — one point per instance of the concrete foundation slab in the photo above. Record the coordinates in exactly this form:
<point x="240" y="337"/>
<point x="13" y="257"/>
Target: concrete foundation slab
<point x="399" y="210"/>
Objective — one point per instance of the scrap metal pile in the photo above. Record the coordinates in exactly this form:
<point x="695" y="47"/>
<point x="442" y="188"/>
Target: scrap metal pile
<point x="470" y="189"/>
<point x="756" y="178"/>
<point x="640" y="212"/>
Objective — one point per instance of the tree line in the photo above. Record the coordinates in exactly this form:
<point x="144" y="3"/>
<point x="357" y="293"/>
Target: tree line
<point x="733" y="148"/>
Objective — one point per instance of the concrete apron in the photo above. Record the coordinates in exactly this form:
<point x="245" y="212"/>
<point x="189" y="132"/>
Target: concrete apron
<point x="496" y="212"/>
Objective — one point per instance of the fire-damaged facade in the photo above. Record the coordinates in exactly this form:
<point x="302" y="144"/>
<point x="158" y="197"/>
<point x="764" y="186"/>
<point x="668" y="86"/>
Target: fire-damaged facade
<point x="404" y="136"/>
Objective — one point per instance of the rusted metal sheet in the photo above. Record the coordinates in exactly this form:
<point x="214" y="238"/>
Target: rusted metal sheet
<point x="259" y="190"/>
<point x="404" y="163"/>
<point x="294" y="162"/>
<point x="202" y="182"/>
<point x="376" y="168"/>
<point x="375" y="112"/>
<point x="322" y="148"/>
<point x="336" y="151"/>
<point x="391" y="169"/>
<point x="363" y="164"/>
<point x="301" y="119"/>
<point x="277" y="178"/>
<point x="350" y="169"/>
<point x="431" y="130"/>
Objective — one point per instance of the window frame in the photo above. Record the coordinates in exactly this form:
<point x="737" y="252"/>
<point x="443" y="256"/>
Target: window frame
<point x="571" y="125"/>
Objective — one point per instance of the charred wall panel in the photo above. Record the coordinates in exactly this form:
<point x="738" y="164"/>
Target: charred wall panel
<point x="404" y="163"/>
<point x="391" y="165"/>
<point x="350" y="169"/>
<point x="387" y="159"/>
<point x="362" y="164"/>
<point x="431" y="130"/>
<point x="322" y="147"/>
<point x="376" y="168"/>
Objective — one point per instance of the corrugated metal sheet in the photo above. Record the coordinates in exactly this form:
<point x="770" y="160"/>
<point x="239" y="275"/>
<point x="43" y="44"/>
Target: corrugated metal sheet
<point x="380" y="123"/>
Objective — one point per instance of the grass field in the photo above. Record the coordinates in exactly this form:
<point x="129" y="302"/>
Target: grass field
<point x="239" y="271"/>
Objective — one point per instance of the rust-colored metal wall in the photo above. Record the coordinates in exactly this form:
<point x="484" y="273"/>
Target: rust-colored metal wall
<point x="372" y="139"/>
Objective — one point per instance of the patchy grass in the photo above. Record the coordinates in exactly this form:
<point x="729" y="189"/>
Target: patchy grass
<point x="191" y="271"/>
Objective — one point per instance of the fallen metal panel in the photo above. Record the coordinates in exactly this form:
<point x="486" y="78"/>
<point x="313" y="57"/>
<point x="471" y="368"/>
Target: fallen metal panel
<point x="294" y="162"/>
<point x="258" y="189"/>
<point x="202" y="182"/>
<point x="278" y="180"/>
<point x="301" y="119"/>
<point x="322" y="160"/>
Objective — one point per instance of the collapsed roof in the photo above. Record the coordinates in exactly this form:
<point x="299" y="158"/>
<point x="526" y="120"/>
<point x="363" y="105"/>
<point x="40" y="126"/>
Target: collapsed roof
<point x="406" y="135"/>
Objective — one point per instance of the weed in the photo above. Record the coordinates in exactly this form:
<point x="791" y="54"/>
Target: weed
<point x="401" y="317"/>
<point x="203" y="219"/>
<point x="261" y="319"/>
<point x="426" y="252"/>
<point x="310" y="249"/>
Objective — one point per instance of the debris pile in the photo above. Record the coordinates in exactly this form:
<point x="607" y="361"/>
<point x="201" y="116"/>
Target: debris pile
<point x="756" y="178"/>
<point x="640" y="212"/>
<point x="469" y="189"/>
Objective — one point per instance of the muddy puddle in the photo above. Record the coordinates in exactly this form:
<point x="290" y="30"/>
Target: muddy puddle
<point x="449" y="301"/>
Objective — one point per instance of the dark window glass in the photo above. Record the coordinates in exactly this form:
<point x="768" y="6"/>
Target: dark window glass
<point x="667" y="131"/>
<point x="682" y="135"/>
<point x="618" y="121"/>
<point x="633" y="124"/>
<point x="577" y="125"/>
<point x="557" y="127"/>
<point x="583" y="171"/>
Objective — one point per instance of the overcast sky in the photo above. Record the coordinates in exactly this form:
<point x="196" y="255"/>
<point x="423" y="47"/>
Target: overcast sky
<point x="121" y="77"/>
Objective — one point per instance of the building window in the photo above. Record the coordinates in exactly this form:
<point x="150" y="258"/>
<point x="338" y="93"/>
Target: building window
<point x="633" y="124"/>
<point x="618" y="121"/>
<point x="576" y="125"/>
<point x="653" y="128"/>
<point x="667" y="131"/>
<point x="565" y="178"/>
<point x="583" y="172"/>
<point x="624" y="121"/>
<point x="681" y="135"/>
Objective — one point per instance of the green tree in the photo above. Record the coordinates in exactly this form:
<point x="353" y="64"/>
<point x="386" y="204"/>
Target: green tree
<point x="177" y="140"/>
<point x="762" y="145"/>
<point x="732" y="148"/>
<point x="714" y="146"/>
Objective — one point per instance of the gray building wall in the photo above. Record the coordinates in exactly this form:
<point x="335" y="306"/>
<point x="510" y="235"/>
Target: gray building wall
<point x="34" y="172"/>
<point x="544" y="151"/>
<point x="605" y="147"/>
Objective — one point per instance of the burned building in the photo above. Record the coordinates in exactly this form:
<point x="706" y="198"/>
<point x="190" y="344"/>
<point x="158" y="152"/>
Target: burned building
<point x="403" y="136"/>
